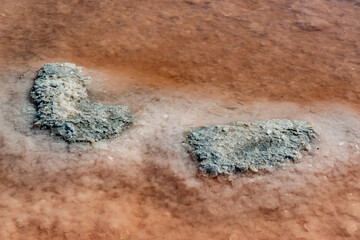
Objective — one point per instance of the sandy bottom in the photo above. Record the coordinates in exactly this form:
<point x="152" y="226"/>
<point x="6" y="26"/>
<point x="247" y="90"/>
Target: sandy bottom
<point x="178" y="65"/>
<point x="143" y="185"/>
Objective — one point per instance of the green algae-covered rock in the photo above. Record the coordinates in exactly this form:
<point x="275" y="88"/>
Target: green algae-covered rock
<point x="63" y="107"/>
<point x="250" y="146"/>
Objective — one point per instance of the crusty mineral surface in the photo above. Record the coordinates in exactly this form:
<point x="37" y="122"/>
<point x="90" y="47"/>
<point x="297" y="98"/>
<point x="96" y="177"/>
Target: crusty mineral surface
<point x="250" y="146"/>
<point x="63" y="106"/>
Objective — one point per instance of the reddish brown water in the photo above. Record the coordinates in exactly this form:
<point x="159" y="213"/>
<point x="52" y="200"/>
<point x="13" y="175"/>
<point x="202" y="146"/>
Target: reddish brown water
<point x="177" y="65"/>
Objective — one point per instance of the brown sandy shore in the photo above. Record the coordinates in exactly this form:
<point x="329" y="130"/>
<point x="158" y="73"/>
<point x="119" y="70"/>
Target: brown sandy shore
<point x="177" y="65"/>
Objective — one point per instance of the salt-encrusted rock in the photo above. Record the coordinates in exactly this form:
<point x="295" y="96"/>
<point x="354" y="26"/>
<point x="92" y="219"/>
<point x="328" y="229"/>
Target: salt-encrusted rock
<point x="250" y="146"/>
<point x="63" y="106"/>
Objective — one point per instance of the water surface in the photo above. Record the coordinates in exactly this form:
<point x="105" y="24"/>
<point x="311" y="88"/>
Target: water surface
<point x="178" y="65"/>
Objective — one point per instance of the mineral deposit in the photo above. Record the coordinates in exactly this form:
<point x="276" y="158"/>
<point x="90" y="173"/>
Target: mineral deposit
<point x="250" y="146"/>
<point x="63" y="106"/>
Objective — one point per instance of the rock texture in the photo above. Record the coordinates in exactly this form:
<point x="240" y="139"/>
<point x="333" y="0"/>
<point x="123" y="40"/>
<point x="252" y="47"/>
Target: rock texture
<point x="63" y="106"/>
<point x="250" y="146"/>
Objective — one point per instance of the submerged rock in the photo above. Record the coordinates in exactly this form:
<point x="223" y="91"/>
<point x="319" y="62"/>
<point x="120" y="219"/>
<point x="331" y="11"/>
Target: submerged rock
<point x="63" y="107"/>
<point x="250" y="146"/>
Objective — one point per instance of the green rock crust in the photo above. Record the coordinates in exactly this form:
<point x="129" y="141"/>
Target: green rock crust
<point x="63" y="107"/>
<point x="250" y="146"/>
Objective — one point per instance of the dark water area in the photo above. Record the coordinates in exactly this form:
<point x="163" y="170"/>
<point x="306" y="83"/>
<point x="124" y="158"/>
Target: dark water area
<point x="179" y="65"/>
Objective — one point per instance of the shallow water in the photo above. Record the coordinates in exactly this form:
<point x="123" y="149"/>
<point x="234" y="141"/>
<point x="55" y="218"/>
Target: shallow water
<point x="179" y="65"/>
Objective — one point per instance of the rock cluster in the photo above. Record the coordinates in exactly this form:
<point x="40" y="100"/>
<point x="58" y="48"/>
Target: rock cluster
<point x="250" y="146"/>
<point x="63" y="107"/>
